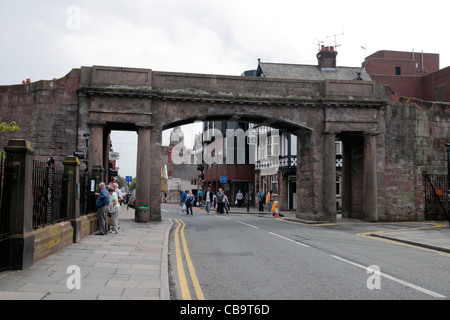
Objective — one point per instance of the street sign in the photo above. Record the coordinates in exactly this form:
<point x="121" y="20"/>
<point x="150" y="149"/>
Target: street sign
<point x="223" y="179"/>
<point x="128" y="179"/>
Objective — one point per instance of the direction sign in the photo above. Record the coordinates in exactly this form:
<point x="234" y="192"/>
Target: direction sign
<point x="223" y="179"/>
<point x="128" y="178"/>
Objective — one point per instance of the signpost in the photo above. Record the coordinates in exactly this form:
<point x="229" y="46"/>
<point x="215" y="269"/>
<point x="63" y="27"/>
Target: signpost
<point x="223" y="179"/>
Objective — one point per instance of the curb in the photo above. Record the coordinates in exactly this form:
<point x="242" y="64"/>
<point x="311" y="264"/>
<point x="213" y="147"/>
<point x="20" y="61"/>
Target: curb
<point x="427" y="246"/>
<point x="165" y="292"/>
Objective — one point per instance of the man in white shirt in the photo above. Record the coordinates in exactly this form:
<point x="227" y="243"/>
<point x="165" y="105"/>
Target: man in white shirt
<point x="208" y="196"/>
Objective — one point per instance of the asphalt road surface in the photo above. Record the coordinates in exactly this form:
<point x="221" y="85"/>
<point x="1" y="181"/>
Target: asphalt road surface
<point x="250" y="257"/>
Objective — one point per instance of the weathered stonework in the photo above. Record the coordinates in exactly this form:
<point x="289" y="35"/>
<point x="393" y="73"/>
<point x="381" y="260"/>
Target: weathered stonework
<point x="388" y="140"/>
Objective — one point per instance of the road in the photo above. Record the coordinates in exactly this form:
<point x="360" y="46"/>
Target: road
<point x="239" y="256"/>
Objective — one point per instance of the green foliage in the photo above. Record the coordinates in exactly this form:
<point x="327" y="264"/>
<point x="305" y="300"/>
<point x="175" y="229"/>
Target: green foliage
<point x="8" y="127"/>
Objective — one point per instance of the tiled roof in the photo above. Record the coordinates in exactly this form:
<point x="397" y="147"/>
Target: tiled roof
<point x="310" y="72"/>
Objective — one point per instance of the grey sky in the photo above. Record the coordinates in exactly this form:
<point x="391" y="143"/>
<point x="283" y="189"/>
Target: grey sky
<point x="46" y="39"/>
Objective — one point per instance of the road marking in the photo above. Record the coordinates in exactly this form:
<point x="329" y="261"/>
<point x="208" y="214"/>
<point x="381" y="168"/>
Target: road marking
<point x="249" y="225"/>
<point x="181" y="275"/>
<point x="195" y="283"/>
<point x="413" y="286"/>
<point x="277" y="235"/>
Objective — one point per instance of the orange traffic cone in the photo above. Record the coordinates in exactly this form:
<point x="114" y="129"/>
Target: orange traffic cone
<point x="276" y="214"/>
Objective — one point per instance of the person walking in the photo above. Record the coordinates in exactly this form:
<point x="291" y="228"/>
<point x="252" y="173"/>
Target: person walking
<point x="226" y="203"/>
<point x="102" y="209"/>
<point x="189" y="203"/>
<point x="269" y="200"/>
<point x="200" y="195"/>
<point x="239" y="198"/>
<point x="114" y="200"/>
<point x="261" y="200"/>
<point x="183" y="201"/>
<point x="208" y="197"/>
<point x="220" y="196"/>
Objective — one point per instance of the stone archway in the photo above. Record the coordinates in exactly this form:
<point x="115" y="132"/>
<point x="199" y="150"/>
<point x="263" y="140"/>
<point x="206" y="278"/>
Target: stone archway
<point x="315" y="111"/>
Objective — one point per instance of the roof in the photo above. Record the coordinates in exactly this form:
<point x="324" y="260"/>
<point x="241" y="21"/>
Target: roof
<point x="310" y="72"/>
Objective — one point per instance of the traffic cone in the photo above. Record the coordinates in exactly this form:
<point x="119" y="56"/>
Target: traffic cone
<point x="276" y="214"/>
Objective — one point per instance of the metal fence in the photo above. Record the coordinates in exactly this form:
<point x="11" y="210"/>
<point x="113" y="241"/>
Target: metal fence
<point x="47" y="190"/>
<point x="436" y="196"/>
<point x="5" y="174"/>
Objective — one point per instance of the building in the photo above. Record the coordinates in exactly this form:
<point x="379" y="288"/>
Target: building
<point x="180" y="167"/>
<point x="283" y="182"/>
<point x="228" y="163"/>
<point x="410" y="74"/>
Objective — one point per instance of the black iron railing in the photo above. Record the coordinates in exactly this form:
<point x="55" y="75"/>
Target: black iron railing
<point x="6" y="171"/>
<point x="47" y="189"/>
<point x="436" y="196"/>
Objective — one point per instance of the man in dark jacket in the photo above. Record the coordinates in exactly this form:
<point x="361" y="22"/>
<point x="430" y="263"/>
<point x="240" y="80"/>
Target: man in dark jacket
<point x="102" y="209"/>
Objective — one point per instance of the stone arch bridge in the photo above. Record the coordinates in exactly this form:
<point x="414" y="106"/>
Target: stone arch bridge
<point x="389" y="141"/>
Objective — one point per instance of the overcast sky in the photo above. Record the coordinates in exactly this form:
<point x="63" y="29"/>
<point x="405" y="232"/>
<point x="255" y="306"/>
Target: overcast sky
<point x="45" y="39"/>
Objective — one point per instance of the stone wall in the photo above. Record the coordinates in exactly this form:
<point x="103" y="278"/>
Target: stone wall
<point x="46" y="112"/>
<point x="416" y="132"/>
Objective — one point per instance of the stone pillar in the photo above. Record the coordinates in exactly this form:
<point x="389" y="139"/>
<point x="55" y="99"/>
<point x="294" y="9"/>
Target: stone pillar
<point x="71" y="195"/>
<point x="329" y="177"/>
<point x="21" y="249"/>
<point x="370" y="178"/>
<point x="143" y="175"/>
<point x="155" y="174"/>
<point x="96" y="168"/>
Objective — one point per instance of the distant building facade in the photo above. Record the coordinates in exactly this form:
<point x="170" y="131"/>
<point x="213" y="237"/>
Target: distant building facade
<point x="410" y="74"/>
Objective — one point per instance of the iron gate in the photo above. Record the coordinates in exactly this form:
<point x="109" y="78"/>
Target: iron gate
<point x="5" y="178"/>
<point x="47" y="190"/>
<point x="436" y="197"/>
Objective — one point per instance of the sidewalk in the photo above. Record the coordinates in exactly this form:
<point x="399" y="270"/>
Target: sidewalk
<point x="130" y="265"/>
<point x="133" y="264"/>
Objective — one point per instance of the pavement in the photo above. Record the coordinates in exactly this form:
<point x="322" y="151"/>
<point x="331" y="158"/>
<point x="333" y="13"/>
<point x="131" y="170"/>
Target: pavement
<point x="133" y="264"/>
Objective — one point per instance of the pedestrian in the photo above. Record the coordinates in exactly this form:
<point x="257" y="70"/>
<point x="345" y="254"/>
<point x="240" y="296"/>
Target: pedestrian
<point x="239" y="197"/>
<point x="118" y="192"/>
<point x="183" y="201"/>
<point x="189" y="203"/>
<point x="269" y="200"/>
<point x="208" y="197"/>
<point x="114" y="200"/>
<point x="226" y="203"/>
<point x="200" y="194"/>
<point x="261" y="200"/>
<point x="220" y="196"/>
<point x="102" y="209"/>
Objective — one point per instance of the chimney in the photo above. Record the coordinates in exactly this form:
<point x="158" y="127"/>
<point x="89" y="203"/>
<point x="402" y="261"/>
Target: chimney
<point x="327" y="58"/>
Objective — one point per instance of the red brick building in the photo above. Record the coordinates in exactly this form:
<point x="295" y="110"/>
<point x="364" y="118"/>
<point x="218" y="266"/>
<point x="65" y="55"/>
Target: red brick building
<point x="410" y="74"/>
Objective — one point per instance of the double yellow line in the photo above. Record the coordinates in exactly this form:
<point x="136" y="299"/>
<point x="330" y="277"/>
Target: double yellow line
<point x="181" y="274"/>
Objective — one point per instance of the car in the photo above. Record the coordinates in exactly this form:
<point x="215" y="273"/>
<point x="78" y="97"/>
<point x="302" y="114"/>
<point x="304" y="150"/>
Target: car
<point x="132" y="199"/>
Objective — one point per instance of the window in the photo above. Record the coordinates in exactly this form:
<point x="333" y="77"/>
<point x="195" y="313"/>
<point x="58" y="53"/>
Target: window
<point x="274" y="183"/>
<point x="338" y="186"/>
<point x="338" y="147"/>
<point x="441" y="94"/>
<point x="398" y="70"/>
